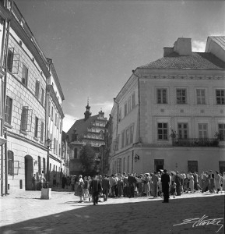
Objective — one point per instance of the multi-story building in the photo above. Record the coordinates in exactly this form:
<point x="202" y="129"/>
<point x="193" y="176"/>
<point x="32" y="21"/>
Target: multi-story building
<point x="89" y="130"/>
<point x="27" y="89"/>
<point x="170" y="113"/>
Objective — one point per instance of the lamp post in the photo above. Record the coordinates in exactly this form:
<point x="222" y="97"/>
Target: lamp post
<point x="48" y="148"/>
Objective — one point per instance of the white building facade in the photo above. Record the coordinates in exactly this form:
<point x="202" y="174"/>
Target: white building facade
<point x="170" y="114"/>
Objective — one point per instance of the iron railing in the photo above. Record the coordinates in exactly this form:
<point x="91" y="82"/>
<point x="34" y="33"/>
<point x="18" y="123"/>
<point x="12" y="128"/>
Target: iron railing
<point x="196" y="142"/>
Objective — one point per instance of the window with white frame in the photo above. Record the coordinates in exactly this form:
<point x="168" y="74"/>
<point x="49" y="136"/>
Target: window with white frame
<point x="181" y="96"/>
<point x="10" y="60"/>
<point x="133" y="100"/>
<point x="123" y="139"/>
<point x="201" y="99"/>
<point x="162" y="131"/>
<point x="125" y="109"/>
<point x="37" y="88"/>
<point x="182" y="130"/>
<point x="203" y="130"/>
<point x="24" y="75"/>
<point x="8" y="110"/>
<point x="42" y="96"/>
<point x="129" y="105"/>
<point x="220" y="96"/>
<point x="127" y="141"/>
<point x="10" y="163"/>
<point x="26" y="119"/>
<point x="42" y="131"/>
<point x="162" y="96"/>
<point x="36" y="127"/>
<point x="221" y="129"/>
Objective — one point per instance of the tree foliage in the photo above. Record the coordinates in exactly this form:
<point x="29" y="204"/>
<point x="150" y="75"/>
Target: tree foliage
<point x="87" y="159"/>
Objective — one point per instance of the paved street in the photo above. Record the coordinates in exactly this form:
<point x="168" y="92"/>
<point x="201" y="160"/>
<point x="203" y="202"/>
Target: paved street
<point x="27" y="213"/>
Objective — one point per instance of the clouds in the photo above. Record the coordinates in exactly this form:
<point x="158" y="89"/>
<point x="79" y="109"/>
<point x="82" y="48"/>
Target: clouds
<point x="105" y="106"/>
<point x="198" y="46"/>
<point x="68" y="121"/>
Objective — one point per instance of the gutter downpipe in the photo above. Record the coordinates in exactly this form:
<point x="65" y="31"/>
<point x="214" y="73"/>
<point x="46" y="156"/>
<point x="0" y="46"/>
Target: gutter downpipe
<point x="139" y="114"/>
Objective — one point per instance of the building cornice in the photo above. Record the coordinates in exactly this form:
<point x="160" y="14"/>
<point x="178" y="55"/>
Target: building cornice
<point x="51" y="91"/>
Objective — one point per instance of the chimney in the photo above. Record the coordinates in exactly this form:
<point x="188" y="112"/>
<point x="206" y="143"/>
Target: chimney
<point x="167" y="51"/>
<point x="183" y="46"/>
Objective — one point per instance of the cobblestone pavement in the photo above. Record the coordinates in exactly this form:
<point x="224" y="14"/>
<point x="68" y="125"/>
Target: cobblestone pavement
<point x="27" y="213"/>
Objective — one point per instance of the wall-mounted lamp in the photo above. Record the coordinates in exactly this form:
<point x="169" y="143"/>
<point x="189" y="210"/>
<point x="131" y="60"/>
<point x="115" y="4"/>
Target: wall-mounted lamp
<point x="136" y="157"/>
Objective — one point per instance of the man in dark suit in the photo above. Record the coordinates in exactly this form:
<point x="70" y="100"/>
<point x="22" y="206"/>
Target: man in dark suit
<point x="105" y="187"/>
<point x="95" y="188"/>
<point x="165" y="180"/>
<point x="132" y="182"/>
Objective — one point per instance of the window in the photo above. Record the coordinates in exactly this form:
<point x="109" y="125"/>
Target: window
<point x="55" y="119"/>
<point x="10" y="163"/>
<point x="39" y="164"/>
<point x="24" y="75"/>
<point x="124" y="164"/>
<point x="181" y="96"/>
<point x="59" y="150"/>
<point x="36" y="127"/>
<point x="42" y="96"/>
<point x="8" y="110"/>
<point x="10" y="60"/>
<point x="129" y="105"/>
<point x="161" y="96"/>
<point x="221" y="128"/>
<point x="37" y="88"/>
<point x="26" y="119"/>
<point x="128" y="164"/>
<point x="44" y="165"/>
<point x="125" y="109"/>
<point x="75" y="153"/>
<point x="42" y="131"/>
<point x="162" y="131"/>
<point x="123" y="138"/>
<point x="52" y="114"/>
<point x="203" y="130"/>
<point x="120" y="114"/>
<point x="131" y="133"/>
<point x="220" y="96"/>
<point x="54" y="145"/>
<point x="192" y="166"/>
<point x="119" y="165"/>
<point x="49" y="108"/>
<point x="183" y="130"/>
<point x="200" y="96"/>
<point x="127" y="137"/>
<point x="133" y="100"/>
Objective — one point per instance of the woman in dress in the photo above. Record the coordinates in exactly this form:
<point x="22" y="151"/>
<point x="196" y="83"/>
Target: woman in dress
<point x="147" y="184"/>
<point x="80" y="189"/>
<point x="191" y="183"/>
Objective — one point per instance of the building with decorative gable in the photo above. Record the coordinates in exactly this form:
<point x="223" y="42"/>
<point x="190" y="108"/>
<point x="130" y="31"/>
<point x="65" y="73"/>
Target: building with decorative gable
<point x="170" y="112"/>
<point x="89" y="130"/>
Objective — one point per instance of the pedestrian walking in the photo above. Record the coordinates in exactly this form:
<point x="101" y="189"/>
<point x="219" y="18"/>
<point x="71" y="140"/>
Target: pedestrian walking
<point x="80" y="189"/>
<point x="95" y="188"/>
<point x="34" y="182"/>
<point x="105" y="187"/>
<point x="165" y="179"/>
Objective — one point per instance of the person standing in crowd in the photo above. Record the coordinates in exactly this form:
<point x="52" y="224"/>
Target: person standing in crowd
<point x="218" y="179"/>
<point x="155" y="180"/>
<point x="211" y="182"/>
<point x="191" y="182"/>
<point x="165" y="179"/>
<point x="131" y="183"/>
<point x="120" y="186"/>
<point x="125" y="182"/>
<point x="80" y="188"/>
<point x="178" y="184"/>
<point x="86" y="191"/>
<point x="63" y="181"/>
<point x="105" y="187"/>
<point x="34" y="182"/>
<point x="223" y="181"/>
<point x="95" y="188"/>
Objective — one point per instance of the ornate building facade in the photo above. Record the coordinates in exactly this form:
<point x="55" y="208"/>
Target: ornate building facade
<point x="89" y="130"/>
<point x="170" y="113"/>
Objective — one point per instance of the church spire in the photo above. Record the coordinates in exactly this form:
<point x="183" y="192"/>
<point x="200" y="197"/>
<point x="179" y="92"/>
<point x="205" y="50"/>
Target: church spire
<point x="87" y="113"/>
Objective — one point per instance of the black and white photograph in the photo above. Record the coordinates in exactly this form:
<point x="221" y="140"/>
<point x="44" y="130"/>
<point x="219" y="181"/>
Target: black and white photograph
<point x="112" y="116"/>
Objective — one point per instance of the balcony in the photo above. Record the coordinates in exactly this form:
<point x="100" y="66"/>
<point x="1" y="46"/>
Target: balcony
<point x="196" y="142"/>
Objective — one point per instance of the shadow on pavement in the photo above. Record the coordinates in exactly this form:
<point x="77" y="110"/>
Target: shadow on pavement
<point x="143" y="217"/>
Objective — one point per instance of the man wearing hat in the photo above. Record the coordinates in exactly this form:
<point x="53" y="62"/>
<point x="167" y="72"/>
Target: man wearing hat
<point x="165" y="180"/>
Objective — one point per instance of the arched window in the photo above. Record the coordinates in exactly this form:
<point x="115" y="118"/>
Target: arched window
<point x="10" y="163"/>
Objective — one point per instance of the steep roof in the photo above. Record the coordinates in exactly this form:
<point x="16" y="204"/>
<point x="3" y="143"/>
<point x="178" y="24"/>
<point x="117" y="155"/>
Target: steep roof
<point x="195" y="61"/>
<point x="220" y="40"/>
<point x="81" y="125"/>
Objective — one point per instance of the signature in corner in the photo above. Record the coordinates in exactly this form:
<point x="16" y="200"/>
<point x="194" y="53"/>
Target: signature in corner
<point x="203" y="221"/>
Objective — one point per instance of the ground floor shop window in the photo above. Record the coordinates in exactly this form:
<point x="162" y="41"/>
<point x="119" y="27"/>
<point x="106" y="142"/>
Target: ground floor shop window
<point x="158" y="164"/>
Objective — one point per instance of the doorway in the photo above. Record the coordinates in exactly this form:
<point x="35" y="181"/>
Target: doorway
<point x="29" y="170"/>
<point x="158" y="164"/>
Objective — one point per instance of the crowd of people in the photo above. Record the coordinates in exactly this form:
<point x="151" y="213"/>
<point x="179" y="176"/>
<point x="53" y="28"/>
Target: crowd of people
<point x="162" y="183"/>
